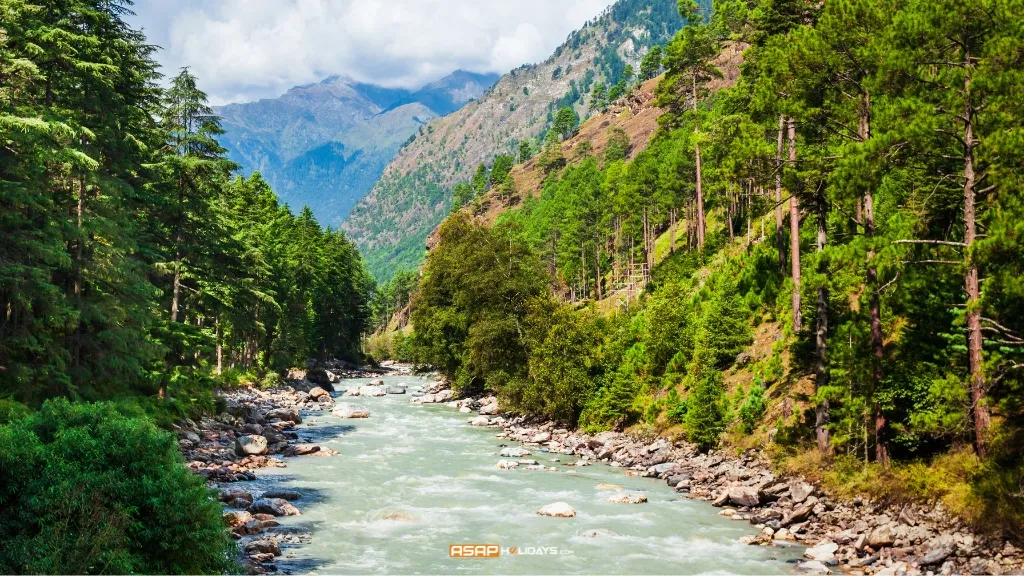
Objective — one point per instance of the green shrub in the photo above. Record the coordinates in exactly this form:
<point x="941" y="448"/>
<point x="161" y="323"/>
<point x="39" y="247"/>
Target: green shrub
<point x="85" y="489"/>
<point x="705" y="418"/>
<point x="752" y="409"/>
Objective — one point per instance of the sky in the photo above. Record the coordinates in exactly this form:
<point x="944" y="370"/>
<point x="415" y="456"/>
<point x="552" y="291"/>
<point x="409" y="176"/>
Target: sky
<point x="243" y="50"/>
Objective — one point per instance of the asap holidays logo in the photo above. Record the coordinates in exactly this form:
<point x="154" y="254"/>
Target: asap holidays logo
<point x="497" y="551"/>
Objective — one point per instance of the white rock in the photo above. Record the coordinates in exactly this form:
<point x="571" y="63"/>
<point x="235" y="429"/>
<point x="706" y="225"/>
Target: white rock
<point x="346" y="411"/>
<point x="541" y="437"/>
<point x="489" y="409"/>
<point x="372" y="391"/>
<point x="800" y="490"/>
<point x="250" y="445"/>
<point x="465" y="410"/>
<point x="507" y="464"/>
<point x="514" y="452"/>
<point x="351" y="392"/>
<point x="480" y="421"/>
<point x="557" y="510"/>
<point x="823" y="552"/>
<point x="812" y="567"/>
<point x="627" y="499"/>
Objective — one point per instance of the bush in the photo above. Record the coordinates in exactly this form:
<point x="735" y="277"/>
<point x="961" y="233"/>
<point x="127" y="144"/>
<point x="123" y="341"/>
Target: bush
<point x="752" y="409"/>
<point x="705" y="418"/>
<point x="85" y="489"/>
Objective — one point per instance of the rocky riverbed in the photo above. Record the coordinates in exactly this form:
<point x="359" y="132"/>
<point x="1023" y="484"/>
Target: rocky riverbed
<point x="258" y="429"/>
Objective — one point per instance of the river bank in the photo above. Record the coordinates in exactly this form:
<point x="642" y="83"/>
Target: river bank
<point x="856" y="537"/>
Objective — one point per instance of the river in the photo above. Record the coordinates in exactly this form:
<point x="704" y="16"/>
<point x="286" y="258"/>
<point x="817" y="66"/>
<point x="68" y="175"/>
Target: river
<point x="411" y="480"/>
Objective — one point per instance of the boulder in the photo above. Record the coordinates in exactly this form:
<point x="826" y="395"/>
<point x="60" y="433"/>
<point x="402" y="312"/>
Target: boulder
<point x="766" y="515"/>
<point x="465" y="410"/>
<point x="799" y="514"/>
<point x="664" y="468"/>
<point x="347" y="411"/>
<point x="489" y="409"/>
<point x="743" y="495"/>
<point x="480" y="421"/>
<point x="377" y="382"/>
<point x="251" y="445"/>
<point x="283" y="494"/>
<point x="881" y="536"/>
<point x="627" y="499"/>
<point x="824" y="552"/>
<point x="285" y="414"/>
<point x="317" y="393"/>
<point x="351" y="392"/>
<point x="800" y="490"/>
<point x="541" y="437"/>
<point x="557" y="510"/>
<point x="236" y="517"/>
<point x="444" y="395"/>
<point x="936" y="556"/>
<point x="372" y="391"/>
<point x="608" y="487"/>
<point x="396" y="389"/>
<point x="507" y="464"/>
<point x="233" y="494"/>
<point x="318" y="376"/>
<point x="273" y="506"/>
<point x="514" y="452"/>
<point x="263" y="546"/>
<point x="301" y="449"/>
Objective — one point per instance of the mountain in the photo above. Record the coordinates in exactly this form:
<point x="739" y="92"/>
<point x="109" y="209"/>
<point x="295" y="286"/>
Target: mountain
<point x="325" y="144"/>
<point x="390" y="225"/>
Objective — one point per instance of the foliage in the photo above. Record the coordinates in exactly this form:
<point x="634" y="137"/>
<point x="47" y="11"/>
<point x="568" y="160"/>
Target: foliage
<point x="88" y="489"/>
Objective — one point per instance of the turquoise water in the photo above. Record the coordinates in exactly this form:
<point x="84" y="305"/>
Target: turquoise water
<point x="411" y="480"/>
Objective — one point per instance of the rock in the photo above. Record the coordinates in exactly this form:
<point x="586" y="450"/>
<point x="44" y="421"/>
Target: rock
<point x="907" y="516"/>
<point x="721" y="499"/>
<point x="316" y="393"/>
<point x="609" y="487"/>
<point x="464" y="410"/>
<point x="396" y="389"/>
<point x="799" y="514"/>
<point x="627" y="499"/>
<point x="347" y="411"/>
<point x="377" y="382"/>
<point x="489" y="409"/>
<point x="274" y="506"/>
<point x="318" y="376"/>
<point x="444" y="395"/>
<point x="263" y="546"/>
<point x="250" y="445"/>
<point x="935" y="556"/>
<point x="286" y="414"/>
<point x="507" y="464"/>
<point x="743" y="495"/>
<point x="596" y="533"/>
<point x="742" y="359"/>
<point x="372" y="391"/>
<point x="823" y="552"/>
<point x="234" y="494"/>
<point x="557" y="510"/>
<point x="812" y="567"/>
<point x="480" y="421"/>
<point x="236" y="517"/>
<point x="351" y="392"/>
<point x="800" y="490"/>
<point x="541" y="437"/>
<point x="664" y="468"/>
<point x="301" y="449"/>
<point x="881" y="536"/>
<point x="766" y="515"/>
<point x="282" y="494"/>
<point x="295" y="374"/>
<point x="514" y="452"/>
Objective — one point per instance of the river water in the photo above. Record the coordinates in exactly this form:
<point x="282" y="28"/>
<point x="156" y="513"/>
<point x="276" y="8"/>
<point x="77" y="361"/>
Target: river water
<point x="411" y="480"/>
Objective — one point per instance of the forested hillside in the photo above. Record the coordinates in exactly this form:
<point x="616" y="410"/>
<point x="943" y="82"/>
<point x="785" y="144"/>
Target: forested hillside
<point x="325" y="144"/>
<point x="822" y="259"/>
<point x="132" y="261"/>
<point x="412" y="197"/>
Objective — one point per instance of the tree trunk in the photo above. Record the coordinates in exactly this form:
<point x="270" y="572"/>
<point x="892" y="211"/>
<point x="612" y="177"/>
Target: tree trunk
<point x="700" y="202"/>
<point x="866" y="215"/>
<point x="780" y="238"/>
<point x="731" y="215"/>
<point x="220" y="348"/>
<point x="597" y="267"/>
<point x="821" y="372"/>
<point x="794" y="234"/>
<point x="975" y="358"/>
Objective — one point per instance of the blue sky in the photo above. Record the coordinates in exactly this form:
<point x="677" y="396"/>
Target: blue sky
<point x="243" y="50"/>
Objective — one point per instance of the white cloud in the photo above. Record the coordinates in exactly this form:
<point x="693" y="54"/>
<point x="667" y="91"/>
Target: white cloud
<point x="247" y="49"/>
